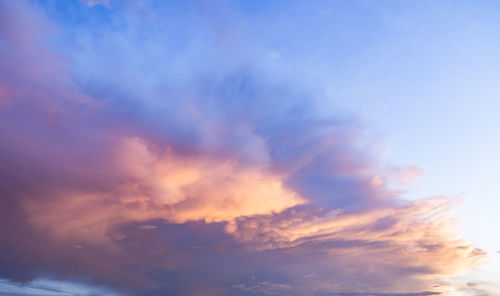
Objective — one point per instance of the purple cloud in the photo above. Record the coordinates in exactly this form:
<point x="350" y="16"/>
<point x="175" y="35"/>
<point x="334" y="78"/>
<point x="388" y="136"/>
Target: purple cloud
<point x="244" y="185"/>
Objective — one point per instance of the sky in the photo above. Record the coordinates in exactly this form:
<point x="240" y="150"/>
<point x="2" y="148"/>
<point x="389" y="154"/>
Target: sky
<point x="342" y="148"/>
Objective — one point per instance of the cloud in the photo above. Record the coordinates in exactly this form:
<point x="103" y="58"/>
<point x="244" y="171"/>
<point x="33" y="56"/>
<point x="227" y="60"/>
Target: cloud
<point x="51" y="288"/>
<point x="481" y="288"/>
<point x="174" y="188"/>
<point x="246" y="184"/>
<point x="92" y="3"/>
<point x="387" y="294"/>
<point x="147" y="227"/>
<point x="266" y="288"/>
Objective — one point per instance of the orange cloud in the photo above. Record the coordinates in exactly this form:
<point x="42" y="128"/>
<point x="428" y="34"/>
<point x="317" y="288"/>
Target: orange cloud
<point x="163" y="185"/>
<point x="416" y="236"/>
<point x="414" y="241"/>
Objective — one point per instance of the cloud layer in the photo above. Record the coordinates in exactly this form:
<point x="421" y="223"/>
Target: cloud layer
<point x="151" y="162"/>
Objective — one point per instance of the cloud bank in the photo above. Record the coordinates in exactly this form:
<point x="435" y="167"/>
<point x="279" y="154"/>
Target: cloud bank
<point x="158" y="160"/>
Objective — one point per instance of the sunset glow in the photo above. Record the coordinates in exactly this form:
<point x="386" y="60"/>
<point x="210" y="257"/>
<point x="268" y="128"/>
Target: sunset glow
<point x="343" y="148"/>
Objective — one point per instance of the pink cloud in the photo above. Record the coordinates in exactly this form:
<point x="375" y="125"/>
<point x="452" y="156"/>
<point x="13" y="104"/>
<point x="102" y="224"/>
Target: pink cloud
<point x="229" y="194"/>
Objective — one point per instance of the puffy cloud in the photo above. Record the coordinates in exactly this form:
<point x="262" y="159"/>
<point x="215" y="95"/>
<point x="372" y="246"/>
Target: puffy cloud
<point x="164" y="186"/>
<point x="208" y="181"/>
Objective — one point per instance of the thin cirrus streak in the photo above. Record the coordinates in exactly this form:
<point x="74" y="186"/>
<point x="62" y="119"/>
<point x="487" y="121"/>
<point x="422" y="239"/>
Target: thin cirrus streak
<point x="223" y="184"/>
